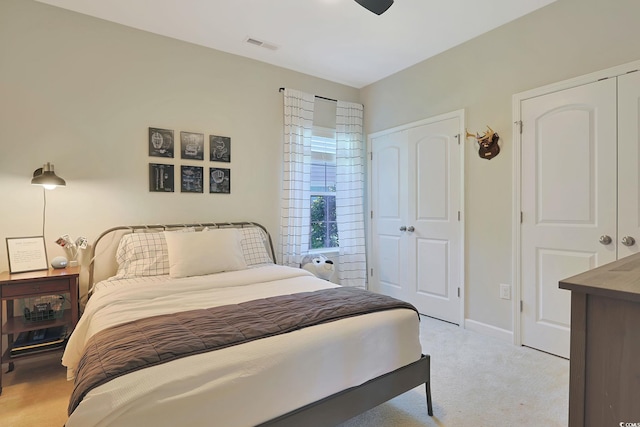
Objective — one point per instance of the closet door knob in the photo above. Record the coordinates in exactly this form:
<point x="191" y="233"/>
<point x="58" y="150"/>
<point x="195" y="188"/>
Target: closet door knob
<point x="605" y="240"/>
<point x="403" y="228"/>
<point x="411" y="229"/>
<point x="628" y="241"/>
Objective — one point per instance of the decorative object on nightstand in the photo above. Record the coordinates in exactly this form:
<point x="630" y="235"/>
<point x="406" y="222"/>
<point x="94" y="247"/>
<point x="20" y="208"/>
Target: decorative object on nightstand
<point x="40" y="293"/>
<point x="72" y="247"/>
<point x="59" y="262"/>
<point x="26" y="254"/>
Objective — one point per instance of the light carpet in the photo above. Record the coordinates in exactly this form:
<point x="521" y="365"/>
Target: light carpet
<point x="476" y="381"/>
<point x="479" y="381"/>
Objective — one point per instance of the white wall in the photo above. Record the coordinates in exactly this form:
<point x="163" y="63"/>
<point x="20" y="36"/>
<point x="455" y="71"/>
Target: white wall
<point x="565" y="39"/>
<point x="81" y="93"/>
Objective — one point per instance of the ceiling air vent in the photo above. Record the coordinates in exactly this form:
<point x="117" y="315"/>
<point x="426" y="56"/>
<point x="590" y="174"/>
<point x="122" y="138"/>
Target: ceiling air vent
<point x="260" y="43"/>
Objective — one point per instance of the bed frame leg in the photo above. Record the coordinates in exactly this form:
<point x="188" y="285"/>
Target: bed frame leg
<point x="429" y="405"/>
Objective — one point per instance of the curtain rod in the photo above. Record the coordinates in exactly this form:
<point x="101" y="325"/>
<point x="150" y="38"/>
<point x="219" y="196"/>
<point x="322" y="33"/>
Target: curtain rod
<point x="317" y="96"/>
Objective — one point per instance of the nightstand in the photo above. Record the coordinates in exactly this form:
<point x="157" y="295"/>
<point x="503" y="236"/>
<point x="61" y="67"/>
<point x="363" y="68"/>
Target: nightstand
<point x="29" y="285"/>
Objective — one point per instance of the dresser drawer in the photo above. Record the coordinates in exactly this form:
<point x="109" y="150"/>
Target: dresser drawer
<point x="35" y="288"/>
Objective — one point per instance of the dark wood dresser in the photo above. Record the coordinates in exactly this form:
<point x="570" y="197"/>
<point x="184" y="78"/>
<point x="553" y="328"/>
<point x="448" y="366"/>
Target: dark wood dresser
<point x="605" y="345"/>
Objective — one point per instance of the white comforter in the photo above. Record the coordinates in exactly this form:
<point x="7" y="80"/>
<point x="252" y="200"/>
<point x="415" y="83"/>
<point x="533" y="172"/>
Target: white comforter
<point x="242" y="385"/>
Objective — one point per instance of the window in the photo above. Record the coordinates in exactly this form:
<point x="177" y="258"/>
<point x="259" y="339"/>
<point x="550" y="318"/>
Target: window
<point x="324" y="228"/>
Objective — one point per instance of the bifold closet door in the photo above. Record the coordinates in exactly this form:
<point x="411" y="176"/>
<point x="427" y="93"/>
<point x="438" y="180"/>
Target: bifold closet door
<point x="389" y="274"/>
<point x="628" y="164"/>
<point x="568" y="201"/>
<point x="434" y="239"/>
<point x="416" y="237"/>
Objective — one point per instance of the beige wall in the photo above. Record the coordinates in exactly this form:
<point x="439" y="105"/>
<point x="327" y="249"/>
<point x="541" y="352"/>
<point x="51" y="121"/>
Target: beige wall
<point x="81" y="93"/>
<point x="563" y="40"/>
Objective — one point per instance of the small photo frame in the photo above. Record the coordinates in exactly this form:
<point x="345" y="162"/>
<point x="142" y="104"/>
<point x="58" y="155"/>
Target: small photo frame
<point x="219" y="148"/>
<point x="219" y="180"/>
<point x="191" y="179"/>
<point x="160" y="142"/>
<point x="160" y="178"/>
<point x="192" y="145"/>
<point x="27" y="254"/>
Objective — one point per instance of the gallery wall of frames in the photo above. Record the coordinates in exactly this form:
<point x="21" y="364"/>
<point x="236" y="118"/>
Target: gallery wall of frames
<point x="203" y="163"/>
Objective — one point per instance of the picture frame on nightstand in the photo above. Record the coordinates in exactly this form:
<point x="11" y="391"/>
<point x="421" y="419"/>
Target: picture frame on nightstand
<point x="27" y="254"/>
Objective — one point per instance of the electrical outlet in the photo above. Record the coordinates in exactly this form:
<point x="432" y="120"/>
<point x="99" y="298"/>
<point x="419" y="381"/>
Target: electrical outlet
<point x="505" y="291"/>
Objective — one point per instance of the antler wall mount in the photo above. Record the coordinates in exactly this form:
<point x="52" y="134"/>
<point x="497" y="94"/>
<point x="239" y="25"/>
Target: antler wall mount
<point x="488" y="146"/>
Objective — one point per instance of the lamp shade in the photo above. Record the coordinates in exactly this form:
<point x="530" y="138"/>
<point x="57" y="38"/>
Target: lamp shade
<point x="46" y="177"/>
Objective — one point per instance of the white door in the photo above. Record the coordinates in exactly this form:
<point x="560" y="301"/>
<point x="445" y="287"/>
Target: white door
<point x="628" y="164"/>
<point x="568" y="200"/>
<point x="435" y="245"/>
<point x="416" y="231"/>
<point x="390" y="204"/>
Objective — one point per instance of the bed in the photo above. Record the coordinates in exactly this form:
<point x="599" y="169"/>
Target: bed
<point x="145" y="277"/>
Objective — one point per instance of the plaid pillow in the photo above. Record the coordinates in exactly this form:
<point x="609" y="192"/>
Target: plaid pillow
<point x="142" y="254"/>
<point x="254" y="246"/>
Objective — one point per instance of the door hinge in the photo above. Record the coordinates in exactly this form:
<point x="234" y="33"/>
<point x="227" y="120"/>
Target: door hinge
<point x="521" y="305"/>
<point x="519" y="123"/>
<point x="521" y="217"/>
<point x="458" y="292"/>
<point x="371" y="155"/>
<point x="458" y="138"/>
<point x="371" y="214"/>
<point x="458" y="216"/>
<point x="371" y="272"/>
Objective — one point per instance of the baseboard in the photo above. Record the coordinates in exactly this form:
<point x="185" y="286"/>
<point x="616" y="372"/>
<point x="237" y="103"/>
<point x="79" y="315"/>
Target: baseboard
<point x="483" y="328"/>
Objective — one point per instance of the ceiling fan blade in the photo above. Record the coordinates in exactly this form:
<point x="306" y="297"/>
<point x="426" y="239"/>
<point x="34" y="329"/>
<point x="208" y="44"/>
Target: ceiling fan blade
<point x="376" y="6"/>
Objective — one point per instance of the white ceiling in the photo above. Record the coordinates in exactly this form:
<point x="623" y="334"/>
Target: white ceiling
<point x="337" y="40"/>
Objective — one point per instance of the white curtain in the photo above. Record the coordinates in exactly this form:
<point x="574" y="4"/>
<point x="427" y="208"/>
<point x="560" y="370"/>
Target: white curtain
<point x="352" y="267"/>
<point x="295" y="204"/>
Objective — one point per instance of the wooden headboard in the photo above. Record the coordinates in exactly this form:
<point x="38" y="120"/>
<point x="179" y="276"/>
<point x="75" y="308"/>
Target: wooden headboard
<point x="103" y="251"/>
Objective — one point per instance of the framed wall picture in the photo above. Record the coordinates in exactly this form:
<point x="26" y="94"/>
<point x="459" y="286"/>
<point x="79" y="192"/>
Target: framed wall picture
<point x="219" y="148"/>
<point x="160" y="142"/>
<point x="219" y="180"/>
<point x="26" y="254"/>
<point x="160" y="178"/>
<point x="191" y="179"/>
<point x="192" y="145"/>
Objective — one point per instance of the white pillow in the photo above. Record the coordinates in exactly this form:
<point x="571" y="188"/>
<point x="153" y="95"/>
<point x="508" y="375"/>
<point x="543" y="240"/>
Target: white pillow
<point x="197" y="254"/>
